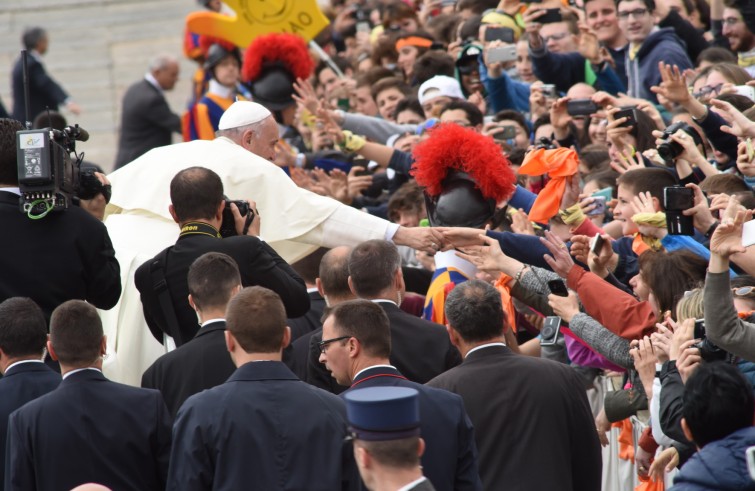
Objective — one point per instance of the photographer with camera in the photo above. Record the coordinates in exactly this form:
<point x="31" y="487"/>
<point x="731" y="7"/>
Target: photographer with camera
<point x="210" y="223"/>
<point x="65" y="255"/>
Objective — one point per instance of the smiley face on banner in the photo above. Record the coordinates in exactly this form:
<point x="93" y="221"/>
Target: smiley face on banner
<point x="257" y="17"/>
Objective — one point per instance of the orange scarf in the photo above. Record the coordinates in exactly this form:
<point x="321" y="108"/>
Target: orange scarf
<point x="502" y="285"/>
<point x="559" y="164"/>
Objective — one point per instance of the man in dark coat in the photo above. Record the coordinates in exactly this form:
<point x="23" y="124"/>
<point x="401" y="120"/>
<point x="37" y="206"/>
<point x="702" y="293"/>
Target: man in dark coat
<point x="197" y="207"/>
<point x="420" y="349"/>
<point x="44" y="91"/>
<point x="356" y="348"/>
<point x="533" y="424"/>
<point x="146" y="119"/>
<point x="203" y="362"/>
<point x="89" y="429"/>
<point x="65" y="255"/>
<point x="264" y="427"/>
<point x="23" y="337"/>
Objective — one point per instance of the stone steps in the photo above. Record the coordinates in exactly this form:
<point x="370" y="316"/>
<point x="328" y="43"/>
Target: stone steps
<point x="97" y="49"/>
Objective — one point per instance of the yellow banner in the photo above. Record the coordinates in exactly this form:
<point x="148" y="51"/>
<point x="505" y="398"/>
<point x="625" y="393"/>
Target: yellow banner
<point x="256" y="17"/>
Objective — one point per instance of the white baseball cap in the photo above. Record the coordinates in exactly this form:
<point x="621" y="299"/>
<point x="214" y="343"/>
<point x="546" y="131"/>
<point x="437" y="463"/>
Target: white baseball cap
<point x="439" y="85"/>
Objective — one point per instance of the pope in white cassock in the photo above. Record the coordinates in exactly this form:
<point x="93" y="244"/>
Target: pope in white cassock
<point x="294" y="221"/>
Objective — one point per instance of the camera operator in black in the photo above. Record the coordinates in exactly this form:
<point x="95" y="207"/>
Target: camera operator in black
<point x="197" y="205"/>
<point x="64" y="256"/>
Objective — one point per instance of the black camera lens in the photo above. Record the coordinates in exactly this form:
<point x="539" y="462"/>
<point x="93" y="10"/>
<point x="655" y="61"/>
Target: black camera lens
<point x="669" y="150"/>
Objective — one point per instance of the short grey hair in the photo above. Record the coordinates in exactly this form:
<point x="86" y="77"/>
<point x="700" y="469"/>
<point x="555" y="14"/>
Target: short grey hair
<point x="161" y="62"/>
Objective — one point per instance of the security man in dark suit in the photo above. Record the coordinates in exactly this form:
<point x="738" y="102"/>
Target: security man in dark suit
<point x="356" y="348"/>
<point x="385" y="427"/>
<point x="146" y="119"/>
<point x="303" y="353"/>
<point x="197" y="207"/>
<point x="420" y="349"/>
<point x="307" y="268"/>
<point x="65" y="255"/>
<point x="264" y="428"/>
<point x="533" y="424"/>
<point x="89" y="429"/>
<point x="204" y="361"/>
<point x="44" y="91"/>
<point x="23" y="337"/>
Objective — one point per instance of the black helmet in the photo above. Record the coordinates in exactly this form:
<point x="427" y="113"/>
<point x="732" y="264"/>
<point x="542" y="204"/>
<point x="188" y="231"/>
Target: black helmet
<point x="274" y="88"/>
<point x="459" y="204"/>
<point x="218" y="53"/>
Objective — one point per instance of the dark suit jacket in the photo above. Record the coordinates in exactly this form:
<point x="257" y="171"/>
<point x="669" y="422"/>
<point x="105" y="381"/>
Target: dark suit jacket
<point x="450" y="458"/>
<point x="309" y="321"/>
<point x="65" y="255"/>
<point x="21" y="384"/>
<point x="43" y="90"/>
<point x="258" y="264"/>
<point x="146" y="122"/>
<point x="533" y="424"/>
<point x="89" y="429"/>
<point x="202" y="363"/>
<point x="263" y="428"/>
<point x="420" y="350"/>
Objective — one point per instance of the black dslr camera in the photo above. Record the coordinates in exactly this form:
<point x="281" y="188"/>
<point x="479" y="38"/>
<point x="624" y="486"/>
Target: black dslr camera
<point x="228" y="227"/>
<point x="49" y="174"/>
<point x="668" y="149"/>
<point x="545" y="143"/>
<point x="708" y="350"/>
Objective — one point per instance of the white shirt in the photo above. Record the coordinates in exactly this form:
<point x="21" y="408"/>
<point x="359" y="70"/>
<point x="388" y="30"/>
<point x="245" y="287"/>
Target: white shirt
<point x="80" y="370"/>
<point x="370" y="368"/>
<point x="483" y="346"/>
<point x="20" y="362"/>
<point x="153" y="82"/>
<point x="210" y="321"/>
<point x="412" y="484"/>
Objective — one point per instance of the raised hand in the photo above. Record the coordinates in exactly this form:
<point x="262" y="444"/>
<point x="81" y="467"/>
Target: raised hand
<point x="561" y="261"/>
<point x="489" y="257"/>
<point x="673" y="86"/>
<point x="739" y="124"/>
<point x="727" y="239"/>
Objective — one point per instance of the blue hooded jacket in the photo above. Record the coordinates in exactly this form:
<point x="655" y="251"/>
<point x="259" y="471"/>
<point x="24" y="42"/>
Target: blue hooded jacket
<point x="642" y="71"/>
<point x="720" y="465"/>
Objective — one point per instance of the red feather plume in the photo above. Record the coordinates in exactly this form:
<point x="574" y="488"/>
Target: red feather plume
<point x="205" y="42"/>
<point x="288" y="49"/>
<point x="451" y="146"/>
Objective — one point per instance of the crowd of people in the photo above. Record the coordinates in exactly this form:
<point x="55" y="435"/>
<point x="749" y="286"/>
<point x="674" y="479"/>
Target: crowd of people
<point x="462" y="245"/>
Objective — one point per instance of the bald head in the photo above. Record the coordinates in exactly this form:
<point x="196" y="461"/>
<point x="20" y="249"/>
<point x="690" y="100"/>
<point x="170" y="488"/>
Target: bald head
<point x="334" y="274"/>
<point x="91" y="487"/>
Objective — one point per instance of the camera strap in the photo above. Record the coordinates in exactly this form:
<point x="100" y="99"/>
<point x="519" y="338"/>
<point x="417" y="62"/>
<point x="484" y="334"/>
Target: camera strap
<point x="160" y="287"/>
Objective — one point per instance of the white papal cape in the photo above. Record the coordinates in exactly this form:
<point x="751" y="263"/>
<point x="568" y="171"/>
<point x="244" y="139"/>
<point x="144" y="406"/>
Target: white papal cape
<point x="294" y="222"/>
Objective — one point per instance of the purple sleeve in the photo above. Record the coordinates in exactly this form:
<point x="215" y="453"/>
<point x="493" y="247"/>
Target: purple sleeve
<point x="581" y="355"/>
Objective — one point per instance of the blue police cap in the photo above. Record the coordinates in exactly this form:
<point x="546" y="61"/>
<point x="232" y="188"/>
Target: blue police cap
<point x="383" y="413"/>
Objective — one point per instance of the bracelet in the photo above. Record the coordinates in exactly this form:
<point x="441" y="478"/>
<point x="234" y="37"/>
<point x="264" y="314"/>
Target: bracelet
<point x="521" y="271"/>
<point x="712" y="229"/>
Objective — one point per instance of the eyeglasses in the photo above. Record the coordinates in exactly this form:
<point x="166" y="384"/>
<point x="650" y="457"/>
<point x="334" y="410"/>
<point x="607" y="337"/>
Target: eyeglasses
<point x="323" y="345"/>
<point x="743" y="291"/>
<point x="636" y="13"/>
<point x="731" y="21"/>
<point x="555" y="37"/>
<point x="707" y="90"/>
